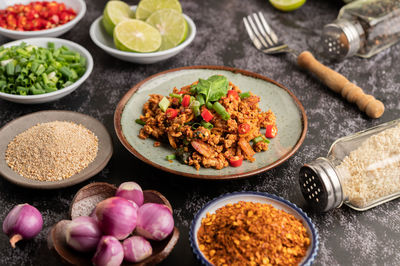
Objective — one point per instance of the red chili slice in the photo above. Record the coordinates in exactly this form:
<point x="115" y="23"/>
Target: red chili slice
<point x="206" y="114"/>
<point x="243" y="128"/>
<point x="171" y="113"/>
<point x="235" y="161"/>
<point x="234" y="94"/>
<point x="271" y="131"/>
<point x="186" y="100"/>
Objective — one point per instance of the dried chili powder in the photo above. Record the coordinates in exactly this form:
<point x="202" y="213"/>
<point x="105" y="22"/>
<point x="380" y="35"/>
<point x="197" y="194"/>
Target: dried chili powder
<point x="248" y="233"/>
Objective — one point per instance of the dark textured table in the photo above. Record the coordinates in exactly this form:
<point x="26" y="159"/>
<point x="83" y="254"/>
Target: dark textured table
<point x="347" y="237"/>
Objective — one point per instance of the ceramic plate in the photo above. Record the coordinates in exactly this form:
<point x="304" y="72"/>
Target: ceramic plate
<point x="291" y="120"/>
<point x="19" y="125"/>
<point x="260" y="197"/>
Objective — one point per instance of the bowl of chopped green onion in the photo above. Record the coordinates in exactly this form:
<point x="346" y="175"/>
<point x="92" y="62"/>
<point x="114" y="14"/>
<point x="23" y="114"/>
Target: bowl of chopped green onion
<point x="40" y="70"/>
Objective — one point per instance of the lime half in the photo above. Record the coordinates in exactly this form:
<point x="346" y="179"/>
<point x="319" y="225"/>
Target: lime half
<point x="115" y="12"/>
<point x="287" y="5"/>
<point x="172" y="26"/>
<point x="147" y="7"/>
<point x="134" y="35"/>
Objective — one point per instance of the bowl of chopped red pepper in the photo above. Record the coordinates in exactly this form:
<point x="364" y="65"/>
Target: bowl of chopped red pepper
<point x="28" y="19"/>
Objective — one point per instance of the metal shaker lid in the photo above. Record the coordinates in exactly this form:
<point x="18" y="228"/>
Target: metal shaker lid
<point x="320" y="185"/>
<point x="341" y="39"/>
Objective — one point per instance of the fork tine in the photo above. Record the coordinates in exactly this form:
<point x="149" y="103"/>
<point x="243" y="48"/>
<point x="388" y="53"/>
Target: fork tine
<point x="262" y="30"/>
<point x="253" y="38"/>
<point x="268" y="28"/>
<point x="256" y="32"/>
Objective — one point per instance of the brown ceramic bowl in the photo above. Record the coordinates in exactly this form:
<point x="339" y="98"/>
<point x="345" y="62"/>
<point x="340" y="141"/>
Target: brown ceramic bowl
<point x="83" y="204"/>
<point x="290" y="114"/>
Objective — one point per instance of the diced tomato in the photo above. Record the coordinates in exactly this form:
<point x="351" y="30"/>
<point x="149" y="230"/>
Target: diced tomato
<point x="235" y="161"/>
<point x="171" y="113"/>
<point x="186" y="100"/>
<point x="234" y="94"/>
<point x="206" y="114"/>
<point x="243" y="128"/>
<point x="271" y="131"/>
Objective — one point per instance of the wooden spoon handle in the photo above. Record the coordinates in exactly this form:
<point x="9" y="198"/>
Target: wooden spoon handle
<point x="338" y="83"/>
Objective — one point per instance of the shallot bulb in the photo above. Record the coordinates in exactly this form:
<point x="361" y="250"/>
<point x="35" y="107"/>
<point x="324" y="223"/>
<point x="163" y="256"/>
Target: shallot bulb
<point x="83" y="234"/>
<point x="22" y="222"/>
<point x="154" y="221"/>
<point x="117" y="217"/>
<point x="136" y="248"/>
<point x="109" y="252"/>
<point x="131" y="191"/>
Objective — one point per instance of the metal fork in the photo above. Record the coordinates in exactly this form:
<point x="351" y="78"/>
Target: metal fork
<point x="265" y="40"/>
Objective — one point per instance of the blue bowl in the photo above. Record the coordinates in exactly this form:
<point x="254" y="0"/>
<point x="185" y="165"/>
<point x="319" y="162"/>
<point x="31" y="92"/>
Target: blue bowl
<point x="275" y="201"/>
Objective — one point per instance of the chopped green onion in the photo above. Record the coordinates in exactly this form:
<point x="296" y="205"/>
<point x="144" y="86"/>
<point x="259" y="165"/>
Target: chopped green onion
<point x="207" y="125"/>
<point x="178" y="96"/>
<point x="260" y="138"/>
<point x="221" y="111"/>
<point x="209" y="105"/>
<point x="196" y="125"/>
<point x="10" y="69"/>
<point x="163" y="104"/>
<point x="170" y="157"/>
<point x="140" y="122"/>
<point x="244" y="95"/>
<point x="200" y="99"/>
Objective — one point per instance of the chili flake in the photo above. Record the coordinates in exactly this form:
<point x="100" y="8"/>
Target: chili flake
<point x="248" y="233"/>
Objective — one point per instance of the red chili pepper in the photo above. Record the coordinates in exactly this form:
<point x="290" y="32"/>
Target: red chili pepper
<point x="186" y="100"/>
<point x="271" y="131"/>
<point x="181" y="92"/>
<point x="243" y="128"/>
<point x="234" y="94"/>
<point x="206" y="114"/>
<point x="171" y="113"/>
<point x="235" y="161"/>
<point x="35" y="16"/>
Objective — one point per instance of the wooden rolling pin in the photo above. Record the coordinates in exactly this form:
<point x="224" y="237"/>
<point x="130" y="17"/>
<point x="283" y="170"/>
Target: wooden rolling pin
<point x="338" y="83"/>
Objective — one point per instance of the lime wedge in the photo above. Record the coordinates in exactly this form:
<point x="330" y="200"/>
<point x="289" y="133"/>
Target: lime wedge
<point x="147" y="7"/>
<point x="115" y="12"/>
<point x="134" y="35"/>
<point x="172" y="26"/>
<point x="287" y="5"/>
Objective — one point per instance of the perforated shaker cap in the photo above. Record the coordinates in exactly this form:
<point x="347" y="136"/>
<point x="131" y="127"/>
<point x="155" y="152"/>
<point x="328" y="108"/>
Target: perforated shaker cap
<point x="320" y="185"/>
<point x="341" y="39"/>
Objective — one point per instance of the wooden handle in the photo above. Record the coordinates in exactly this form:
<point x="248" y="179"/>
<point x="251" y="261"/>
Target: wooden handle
<point x="338" y="83"/>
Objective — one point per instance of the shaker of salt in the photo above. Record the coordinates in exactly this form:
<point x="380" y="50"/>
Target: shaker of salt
<point x="361" y="171"/>
<point x="364" y="28"/>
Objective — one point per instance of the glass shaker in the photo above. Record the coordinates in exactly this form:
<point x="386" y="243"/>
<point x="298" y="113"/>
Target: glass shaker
<point x="361" y="171"/>
<point x="363" y="28"/>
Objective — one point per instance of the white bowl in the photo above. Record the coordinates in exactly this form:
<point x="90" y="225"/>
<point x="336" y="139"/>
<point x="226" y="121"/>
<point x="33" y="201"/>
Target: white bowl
<point x="55" y="95"/>
<point x="78" y="5"/>
<point x="103" y="40"/>
<point x="261" y="197"/>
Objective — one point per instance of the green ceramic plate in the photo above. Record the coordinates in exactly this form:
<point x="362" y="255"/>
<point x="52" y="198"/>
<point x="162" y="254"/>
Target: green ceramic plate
<point x="291" y="120"/>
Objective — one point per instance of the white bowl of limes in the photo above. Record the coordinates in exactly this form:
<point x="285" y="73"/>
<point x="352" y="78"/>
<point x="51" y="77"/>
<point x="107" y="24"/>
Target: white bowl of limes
<point x="143" y="37"/>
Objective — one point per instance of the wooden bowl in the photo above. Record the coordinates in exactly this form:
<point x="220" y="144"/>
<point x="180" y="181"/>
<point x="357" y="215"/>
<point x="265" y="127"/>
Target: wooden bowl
<point x="83" y="204"/>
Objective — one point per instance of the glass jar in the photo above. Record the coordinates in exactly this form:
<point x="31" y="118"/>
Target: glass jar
<point x="361" y="171"/>
<point x="363" y="28"/>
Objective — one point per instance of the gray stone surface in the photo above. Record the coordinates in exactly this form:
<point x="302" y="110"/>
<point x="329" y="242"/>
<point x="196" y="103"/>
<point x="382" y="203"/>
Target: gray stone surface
<point x="347" y="237"/>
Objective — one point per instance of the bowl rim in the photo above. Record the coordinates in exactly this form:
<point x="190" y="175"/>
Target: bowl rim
<point x="314" y="231"/>
<point x="111" y="50"/>
<point x="77" y="47"/>
<point x="29" y="34"/>
<point x="124" y="100"/>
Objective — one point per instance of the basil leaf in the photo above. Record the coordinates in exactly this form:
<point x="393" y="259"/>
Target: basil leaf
<point x="213" y="88"/>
